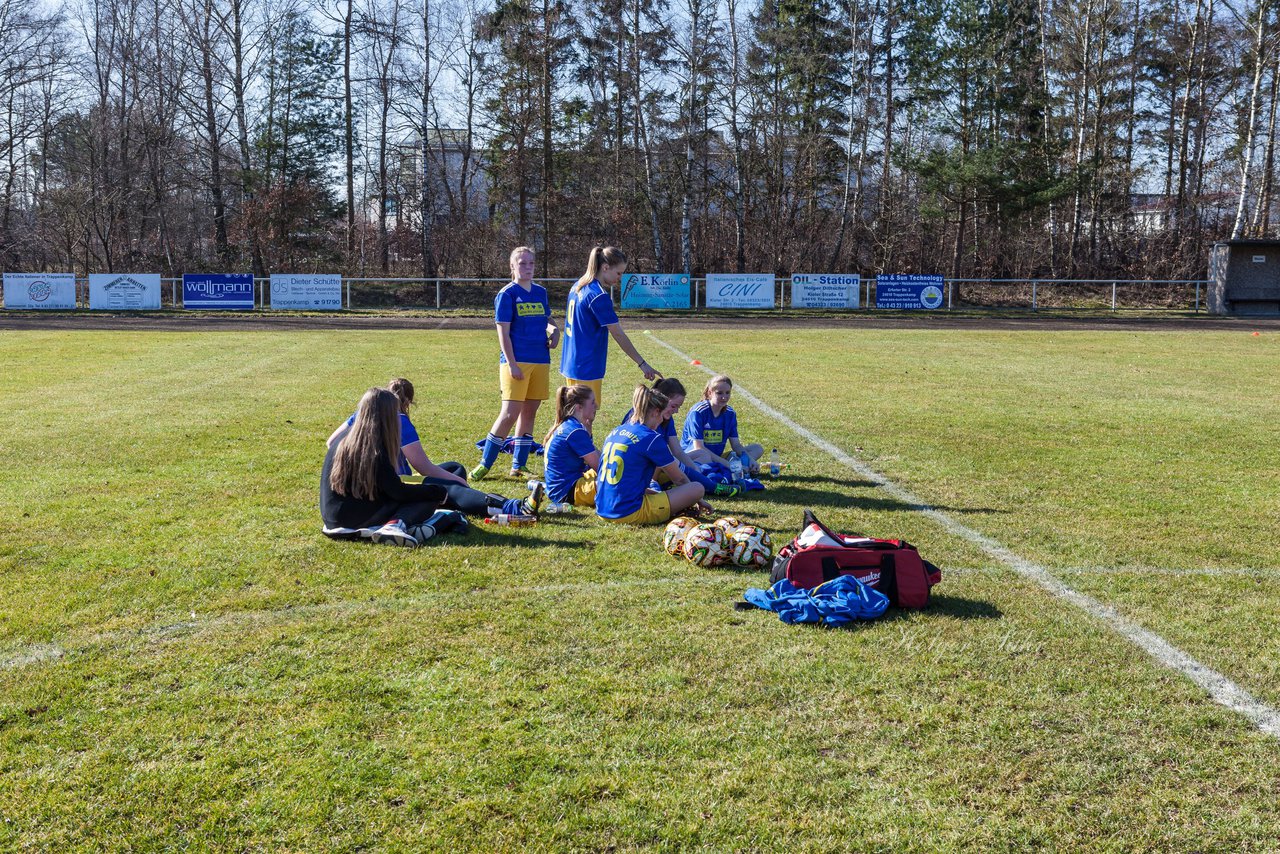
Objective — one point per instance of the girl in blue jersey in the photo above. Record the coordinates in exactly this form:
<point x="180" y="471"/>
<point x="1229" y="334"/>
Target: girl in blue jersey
<point x="712" y="424"/>
<point x="590" y="319"/>
<point x="526" y="335"/>
<point x="450" y="475"/>
<point x="674" y="391"/>
<point x="572" y="458"/>
<point x="631" y="453"/>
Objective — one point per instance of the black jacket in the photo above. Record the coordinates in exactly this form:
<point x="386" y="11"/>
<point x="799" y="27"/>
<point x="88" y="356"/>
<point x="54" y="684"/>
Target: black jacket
<point x="345" y="511"/>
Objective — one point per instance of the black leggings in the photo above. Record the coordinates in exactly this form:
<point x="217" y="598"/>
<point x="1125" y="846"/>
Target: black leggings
<point x="470" y="501"/>
<point x="410" y="514"/>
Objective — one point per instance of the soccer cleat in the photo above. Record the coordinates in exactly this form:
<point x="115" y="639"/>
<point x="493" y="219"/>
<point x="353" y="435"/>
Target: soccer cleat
<point x="727" y="490"/>
<point x="422" y="532"/>
<point x="480" y="472"/>
<point x="519" y="474"/>
<point x="533" y="504"/>
<point x="394" y="533"/>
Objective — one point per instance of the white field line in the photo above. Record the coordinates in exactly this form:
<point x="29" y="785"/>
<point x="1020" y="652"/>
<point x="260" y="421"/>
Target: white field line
<point x="191" y="622"/>
<point x="1218" y="686"/>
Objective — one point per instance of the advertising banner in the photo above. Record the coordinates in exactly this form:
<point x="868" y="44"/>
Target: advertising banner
<point x="39" y="290"/>
<point x="909" y="291"/>
<point x="309" y="291"/>
<point x="740" y="290"/>
<point x="825" y="290"/>
<point x="130" y="291"/>
<point x="655" y="290"/>
<point x="218" y="291"/>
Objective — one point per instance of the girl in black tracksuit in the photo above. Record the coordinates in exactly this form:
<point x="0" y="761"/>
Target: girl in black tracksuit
<point x="359" y="487"/>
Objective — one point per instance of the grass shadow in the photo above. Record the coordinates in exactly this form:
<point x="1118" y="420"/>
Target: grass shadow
<point x="817" y="498"/>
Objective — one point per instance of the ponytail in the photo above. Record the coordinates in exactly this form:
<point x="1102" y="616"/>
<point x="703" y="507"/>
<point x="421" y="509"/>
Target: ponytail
<point x="568" y="399"/>
<point x="599" y="257"/>
<point x="403" y="390"/>
<point x="646" y="400"/>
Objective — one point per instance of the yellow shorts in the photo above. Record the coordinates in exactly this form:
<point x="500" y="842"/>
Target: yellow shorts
<point x="532" y="387"/>
<point x="594" y="385"/>
<point x="584" y="491"/>
<point x="656" y="510"/>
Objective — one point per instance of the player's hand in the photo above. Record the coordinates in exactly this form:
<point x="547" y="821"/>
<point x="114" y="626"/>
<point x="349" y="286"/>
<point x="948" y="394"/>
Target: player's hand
<point x="516" y="373"/>
<point x="702" y="508"/>
<point x="553" y="338"/>
<point x="648" y="371"/>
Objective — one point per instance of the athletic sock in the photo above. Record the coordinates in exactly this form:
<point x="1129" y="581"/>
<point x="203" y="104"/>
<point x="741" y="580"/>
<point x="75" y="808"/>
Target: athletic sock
<point x="514" y="507"/>
<point x="492" y="447"/>
<point x="524" y="444"/>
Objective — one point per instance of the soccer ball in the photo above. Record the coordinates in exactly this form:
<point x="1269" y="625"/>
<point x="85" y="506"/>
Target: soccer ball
<point x="706" y="545"/>
<point x="728" y="524"/>
<point x="751" y="546"/>
<point x="677" y="530"/>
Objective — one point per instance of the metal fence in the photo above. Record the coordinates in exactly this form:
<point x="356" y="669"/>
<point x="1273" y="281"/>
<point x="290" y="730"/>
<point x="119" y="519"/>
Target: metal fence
<point x="363" y="293"/>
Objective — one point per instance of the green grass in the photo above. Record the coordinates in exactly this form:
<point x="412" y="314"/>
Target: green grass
<point x="186" y="663"/>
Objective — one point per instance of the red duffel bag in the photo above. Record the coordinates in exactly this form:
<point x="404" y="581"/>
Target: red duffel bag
<point x="893" y="567"/>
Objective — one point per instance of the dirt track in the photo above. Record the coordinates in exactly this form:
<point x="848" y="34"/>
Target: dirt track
<point x="191" y="321"/>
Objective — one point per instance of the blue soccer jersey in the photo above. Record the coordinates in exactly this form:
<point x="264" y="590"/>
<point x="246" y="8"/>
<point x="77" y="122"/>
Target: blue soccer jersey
<point x="630" y="454"/>
<point x="565" y="464"/>
<point x="528" y="313"/>
<point x="586" y="337"/>
<point x="714" y="430"/>
<point x="408" y="435"/>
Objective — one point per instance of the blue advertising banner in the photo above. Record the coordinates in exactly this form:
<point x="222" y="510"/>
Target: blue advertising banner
<point x="909" y="291"/>
<point x="655" y="290"/>
<point x="217" y="290"/>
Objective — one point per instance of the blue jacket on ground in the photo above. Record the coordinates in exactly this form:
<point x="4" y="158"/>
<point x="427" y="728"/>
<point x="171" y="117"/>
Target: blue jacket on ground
<point x="832" y="603"/>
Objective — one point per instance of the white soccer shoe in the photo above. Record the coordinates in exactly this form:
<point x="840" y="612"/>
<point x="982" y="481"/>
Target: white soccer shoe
<point x="394" y="533"/>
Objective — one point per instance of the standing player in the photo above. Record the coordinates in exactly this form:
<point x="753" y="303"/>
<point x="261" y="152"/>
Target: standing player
<point x="526" y="335"/>
<point x="590" y="319"/>
<point x="712" y="424"/>
<point x="631" y="453"/>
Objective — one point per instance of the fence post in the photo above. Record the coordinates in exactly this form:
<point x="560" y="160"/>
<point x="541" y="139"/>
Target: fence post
<point x="951" y="287"/>
<point x="437" y="293"/>
<point x="346" y="280"/>
<point x="173" y="292"/>
<point x="1033" y="296"/>
<point x="1197" y="296"/>
<point x="1113" y="296"/>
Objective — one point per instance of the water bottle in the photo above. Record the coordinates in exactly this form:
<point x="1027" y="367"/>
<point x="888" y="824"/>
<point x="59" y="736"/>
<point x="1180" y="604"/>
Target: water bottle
<point x="514" y="520"/>
<point x="557" y="507"/>
<point x="746" y="464"/>
<point x="775" y="463"/>
<point x="735" y="468"/>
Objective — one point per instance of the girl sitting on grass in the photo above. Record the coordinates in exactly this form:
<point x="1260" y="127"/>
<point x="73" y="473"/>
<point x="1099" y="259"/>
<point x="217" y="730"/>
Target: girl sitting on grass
<point x="572" y="458"/>
<point x="452" y="476"/>
<point x="360" y="492"/>
<point x="631" y="453"/>
<point x="712" y="424"/>
<point x="675" y="393"/>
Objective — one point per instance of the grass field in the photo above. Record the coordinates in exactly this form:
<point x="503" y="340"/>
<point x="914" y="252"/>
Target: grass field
<point x="185" y="663"/>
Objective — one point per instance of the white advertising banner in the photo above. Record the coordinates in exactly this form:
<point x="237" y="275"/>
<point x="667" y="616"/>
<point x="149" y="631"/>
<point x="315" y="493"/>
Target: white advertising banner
<point x="825" y="290"/>
<point x="39" y="290"/>
<point x="131" y="291"/>
<point x="740" y="290"/>
<point x="306" y="291"/>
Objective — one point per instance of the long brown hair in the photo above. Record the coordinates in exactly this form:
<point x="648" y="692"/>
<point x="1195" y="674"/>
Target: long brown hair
<point x="646" y="400"/>
<point x="600" y="256"/>
<point x="568" y="399"/>
<point x="376" y="431"/>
